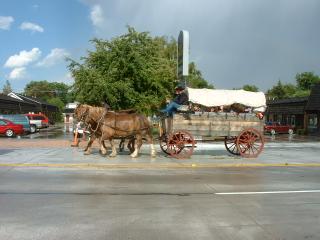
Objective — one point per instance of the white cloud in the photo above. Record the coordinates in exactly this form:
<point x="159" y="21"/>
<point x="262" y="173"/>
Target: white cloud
<point x="5" y="22"/>
<point x="23" y="58"/>
<point x="17" y="73"/>
<point x="96" y="15"/>
<point x="236" y="42"/>
<point x="67" y="78"/>
<point x="31" y="26"/>
<point x="56" y="55"/>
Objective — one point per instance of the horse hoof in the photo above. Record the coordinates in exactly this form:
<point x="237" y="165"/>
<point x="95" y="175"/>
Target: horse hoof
<point x="103" y="152"/>
<point x="112" y="155"/>
<point x="153" y="153"/>
<point x="133" y="155"/>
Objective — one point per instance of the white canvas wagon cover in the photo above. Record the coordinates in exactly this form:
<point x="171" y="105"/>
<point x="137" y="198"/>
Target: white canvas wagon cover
<point x="213" y="98"/>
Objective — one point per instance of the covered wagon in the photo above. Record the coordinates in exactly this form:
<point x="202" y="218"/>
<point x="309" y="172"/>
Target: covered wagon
<point x="242" y="131"/>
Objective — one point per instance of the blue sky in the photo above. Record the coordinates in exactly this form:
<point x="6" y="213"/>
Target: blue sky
<point x="66" y="29"/>
<point x="232" y="42"/>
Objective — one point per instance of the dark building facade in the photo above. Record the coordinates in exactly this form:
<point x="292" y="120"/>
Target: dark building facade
<point x="9" y="105"/>
<point x="19" y="104"/>
<point x="303" y="113"/>
<point x="313" y="109"/>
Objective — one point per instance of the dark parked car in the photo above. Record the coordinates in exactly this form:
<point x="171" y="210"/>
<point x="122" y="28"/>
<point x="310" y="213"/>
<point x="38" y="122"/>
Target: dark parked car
<point x="276" y="127"/>
<point x="9" y="128"/>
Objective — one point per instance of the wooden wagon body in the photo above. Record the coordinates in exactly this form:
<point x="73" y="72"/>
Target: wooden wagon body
<point x="242" y="133"/>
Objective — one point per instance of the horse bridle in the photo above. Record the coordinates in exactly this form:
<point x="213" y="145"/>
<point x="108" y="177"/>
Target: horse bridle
<point x="84" y="115"/>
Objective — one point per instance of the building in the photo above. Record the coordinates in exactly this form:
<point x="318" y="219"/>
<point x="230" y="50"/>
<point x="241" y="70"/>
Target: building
<point x="313" y="110"/>
<point x="287" y="111"/>
<point x="69" y="112"/>
<point x="303" y="113"/>
<point x="10" y="105"/>
<point x="15" y="103"/>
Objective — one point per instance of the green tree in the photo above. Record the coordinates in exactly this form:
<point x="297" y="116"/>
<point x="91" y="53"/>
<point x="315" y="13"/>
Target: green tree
<point x="39" y="89"/>
<point x="281" y="91"/>
<point x="195" y="79"/>
<point x="301" y="93"/>
<point x="251" y="88"/>
<point x="61" y="91"/>
<point x="55" y="93"/>
<point x="130" y="71"/>
<point x="45" y="90"/>
<point x="168" y="48"/>
<point x="7" y="88"/>
<point x="306" y="80"/>
<point x="57" y="117"/>
<point x="304" y="83"/>
<point x="57" y="102"/>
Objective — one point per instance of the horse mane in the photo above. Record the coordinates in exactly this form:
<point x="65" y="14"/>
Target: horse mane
<point x="131" y="110"/>
<point x="95" y="112"/>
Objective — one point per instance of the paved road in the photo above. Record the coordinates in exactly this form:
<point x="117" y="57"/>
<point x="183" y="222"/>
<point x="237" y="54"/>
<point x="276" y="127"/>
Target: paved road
<point x="71" y="196"/>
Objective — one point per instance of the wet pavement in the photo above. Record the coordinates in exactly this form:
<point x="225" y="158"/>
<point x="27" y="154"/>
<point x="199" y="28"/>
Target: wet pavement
<point x="62" y="131"/>
<point x="59" y="131"/>
<point x="49" y="191"/>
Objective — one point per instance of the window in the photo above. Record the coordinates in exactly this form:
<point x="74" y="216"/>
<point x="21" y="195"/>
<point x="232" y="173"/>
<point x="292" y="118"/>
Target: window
<point x="38" y="117"/>
<point x="293" y="120"/>
<point x="2" y="123"/>
<point x="312" y="122"/>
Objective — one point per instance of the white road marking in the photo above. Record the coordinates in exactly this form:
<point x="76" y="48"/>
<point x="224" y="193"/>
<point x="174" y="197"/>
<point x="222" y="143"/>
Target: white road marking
<point x="271" y="192"/>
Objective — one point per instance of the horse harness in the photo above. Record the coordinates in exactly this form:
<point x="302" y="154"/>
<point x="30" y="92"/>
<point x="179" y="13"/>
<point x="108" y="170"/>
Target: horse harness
<point x="83" y="115"/>
<point x="114" y="127"/>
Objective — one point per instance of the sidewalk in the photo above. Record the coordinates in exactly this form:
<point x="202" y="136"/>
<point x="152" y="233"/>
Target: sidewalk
<point x="58" y="153"/>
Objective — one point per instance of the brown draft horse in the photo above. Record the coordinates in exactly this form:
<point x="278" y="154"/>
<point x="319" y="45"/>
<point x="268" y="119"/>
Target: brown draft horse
<point x="95" y="132"/>
<point x="110" y="125"/>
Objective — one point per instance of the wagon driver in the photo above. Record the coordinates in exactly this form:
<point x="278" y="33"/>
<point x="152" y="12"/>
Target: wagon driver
<point x="180" y="99"/>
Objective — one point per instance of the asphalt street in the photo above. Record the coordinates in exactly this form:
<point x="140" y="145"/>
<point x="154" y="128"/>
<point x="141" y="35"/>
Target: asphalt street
<point x="58" y="193"/>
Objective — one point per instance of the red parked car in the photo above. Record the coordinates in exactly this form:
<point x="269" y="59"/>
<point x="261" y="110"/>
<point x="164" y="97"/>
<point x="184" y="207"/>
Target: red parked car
<point x="9" y="128"/>
<point x="276" y="127"/>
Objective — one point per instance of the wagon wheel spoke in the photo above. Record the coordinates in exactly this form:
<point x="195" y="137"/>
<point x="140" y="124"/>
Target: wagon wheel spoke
<point x="181" y="144"/>
<point x="231" y="145"/>
<point x="172" y="149"/>
<point x="174" y="145"/>
<point x="164" y="145"/>
<point x="250" y="143"/>
<point x="254" y="147"/>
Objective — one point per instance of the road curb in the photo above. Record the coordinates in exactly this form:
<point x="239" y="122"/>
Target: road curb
<point x="155" y="165"/>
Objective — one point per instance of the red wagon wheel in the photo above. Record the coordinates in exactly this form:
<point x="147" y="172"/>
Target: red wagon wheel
<point x="164" y="143"/>
<point x="231" y="145"/>
<point x="250" y="143"/>
<point x="180" y="144"/>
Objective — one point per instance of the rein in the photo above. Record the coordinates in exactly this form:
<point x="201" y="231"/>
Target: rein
<point x="83" y="115"/>
<point x="94" y="131"/>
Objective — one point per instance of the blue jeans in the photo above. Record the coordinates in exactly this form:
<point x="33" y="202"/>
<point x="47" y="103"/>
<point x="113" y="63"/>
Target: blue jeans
<point x="171" y="108"/>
